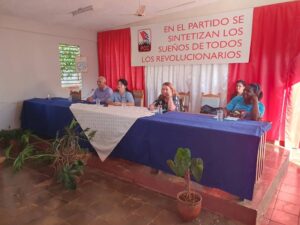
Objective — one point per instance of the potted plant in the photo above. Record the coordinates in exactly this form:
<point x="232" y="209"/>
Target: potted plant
<point x="69" y="157"/>
<point x="64" y="153"/>
<point x="189" y="203"/>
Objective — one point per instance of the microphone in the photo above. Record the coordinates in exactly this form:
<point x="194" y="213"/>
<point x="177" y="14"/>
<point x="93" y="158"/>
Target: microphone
<point x="90" y="93"/>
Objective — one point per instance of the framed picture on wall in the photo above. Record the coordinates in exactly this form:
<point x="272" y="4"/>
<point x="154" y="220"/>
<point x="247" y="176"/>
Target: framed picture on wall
<point x="81" y="64"/>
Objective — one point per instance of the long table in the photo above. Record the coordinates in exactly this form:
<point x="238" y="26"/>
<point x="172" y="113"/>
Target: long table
<point x="229" y="149"/>
<point x="46" y="117"/>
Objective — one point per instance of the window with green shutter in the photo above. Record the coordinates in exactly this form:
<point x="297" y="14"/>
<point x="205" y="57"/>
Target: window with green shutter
<point x="67" y="56"/>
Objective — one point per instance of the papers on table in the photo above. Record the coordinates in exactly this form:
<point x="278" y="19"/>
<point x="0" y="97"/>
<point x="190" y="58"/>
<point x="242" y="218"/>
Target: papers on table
<point x="229" y="118"/>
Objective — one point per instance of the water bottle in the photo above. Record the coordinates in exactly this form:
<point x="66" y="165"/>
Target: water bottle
<point x="220" y="115"/>
<point x="98" y="101"/>
<point x="48" y="97"/>
<point x="177" y="104"/>
<point x="160" y="111"/>
<point x="123" y="102"/>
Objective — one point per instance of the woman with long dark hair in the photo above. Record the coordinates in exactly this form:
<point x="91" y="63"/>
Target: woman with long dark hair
<point x="239" y="88"/>
<point x="122" y="96"/>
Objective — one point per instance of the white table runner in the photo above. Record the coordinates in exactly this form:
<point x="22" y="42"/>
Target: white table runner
<point x="111" y="123"/>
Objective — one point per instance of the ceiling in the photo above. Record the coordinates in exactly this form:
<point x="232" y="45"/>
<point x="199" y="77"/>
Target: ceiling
<point x="106" y="14"/>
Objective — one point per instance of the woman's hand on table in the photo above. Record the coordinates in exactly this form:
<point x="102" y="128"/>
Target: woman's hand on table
<point x="152" y="107"/>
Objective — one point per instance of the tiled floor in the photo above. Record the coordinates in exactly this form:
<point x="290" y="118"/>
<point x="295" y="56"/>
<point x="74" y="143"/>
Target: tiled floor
<point x="32" y="198"/>
<point x="214" y="200"/>
<point x="285" y="206"/>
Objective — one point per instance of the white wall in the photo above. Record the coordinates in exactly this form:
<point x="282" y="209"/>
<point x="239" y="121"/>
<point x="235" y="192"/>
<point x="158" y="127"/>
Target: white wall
<point x="29" y="63"/>
<point x="216" y="7"/>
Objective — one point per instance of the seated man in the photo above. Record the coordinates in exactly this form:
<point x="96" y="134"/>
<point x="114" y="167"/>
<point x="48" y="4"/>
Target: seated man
<point x="103" y="92"/>
<point x="248" y="105"/>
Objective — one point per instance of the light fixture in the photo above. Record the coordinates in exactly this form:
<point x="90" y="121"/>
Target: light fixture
<point x="82" y="10"/>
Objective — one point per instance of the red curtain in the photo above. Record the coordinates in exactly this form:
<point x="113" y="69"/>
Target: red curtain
<point x="275" y="45"/>
<point x="114" y="56"/>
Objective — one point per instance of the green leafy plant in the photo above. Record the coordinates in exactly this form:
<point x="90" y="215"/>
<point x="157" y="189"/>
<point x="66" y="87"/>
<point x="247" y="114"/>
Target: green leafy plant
<point x="18" y="142"/>
<point x="13" y="138"/>
<point x="64" y="153"/>
<point x="7" y="135"/>
<point x="69" y="156"/>
<point x="184" y="165"/>
<point x="69" y="174"/>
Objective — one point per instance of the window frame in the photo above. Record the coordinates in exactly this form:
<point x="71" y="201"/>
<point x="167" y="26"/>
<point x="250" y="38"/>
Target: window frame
<point x="69" y="77"/>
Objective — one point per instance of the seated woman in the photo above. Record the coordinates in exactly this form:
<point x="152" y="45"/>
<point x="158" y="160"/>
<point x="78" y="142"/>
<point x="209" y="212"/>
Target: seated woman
<point x="168" y="99"/>
<point x="239" y="88"/>
<point x="123" y="96"/>
<point x="247" y="106"/>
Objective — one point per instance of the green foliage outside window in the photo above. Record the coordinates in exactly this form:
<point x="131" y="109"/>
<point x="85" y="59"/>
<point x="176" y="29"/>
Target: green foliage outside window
<point x="67" y="56"/>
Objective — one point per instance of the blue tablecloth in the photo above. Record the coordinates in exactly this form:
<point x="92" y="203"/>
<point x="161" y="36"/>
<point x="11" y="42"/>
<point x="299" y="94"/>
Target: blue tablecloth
<point x="46" y="117"/>
<point x="229" y="148"/>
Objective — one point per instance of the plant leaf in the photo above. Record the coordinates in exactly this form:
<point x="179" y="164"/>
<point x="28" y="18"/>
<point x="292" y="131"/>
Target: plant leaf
<point x="68" y="174"/>
<point x="91" y="134"/>
<point x="181" y="163"/>
<point x="182" y="160"/>
<point x="197" y="168"/>
<point x="172" y="166"/>
<point x="86" y="129"/>
<point x="24" y="139"/>
<point x="22" y="157"/>
<point x="73" y="124"/>
<point x="7" y="151"/>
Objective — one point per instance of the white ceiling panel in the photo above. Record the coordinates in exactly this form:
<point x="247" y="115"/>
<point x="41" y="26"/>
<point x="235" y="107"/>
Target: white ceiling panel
<point x="106" y="14"/>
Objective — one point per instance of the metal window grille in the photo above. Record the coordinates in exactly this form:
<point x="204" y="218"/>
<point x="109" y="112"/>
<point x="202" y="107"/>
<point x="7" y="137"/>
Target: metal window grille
<point x="67" y="56"/>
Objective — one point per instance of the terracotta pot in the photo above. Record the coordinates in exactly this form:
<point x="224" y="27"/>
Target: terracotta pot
<point x="189" y="211"/>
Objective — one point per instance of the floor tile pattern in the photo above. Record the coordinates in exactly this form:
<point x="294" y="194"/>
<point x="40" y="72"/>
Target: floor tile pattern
<point x="30" y="197"/>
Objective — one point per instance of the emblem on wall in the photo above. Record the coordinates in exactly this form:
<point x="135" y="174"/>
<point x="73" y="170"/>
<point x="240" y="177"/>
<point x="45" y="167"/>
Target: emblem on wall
<point x="144" y="40"/>
<point x="81" y="64"/>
